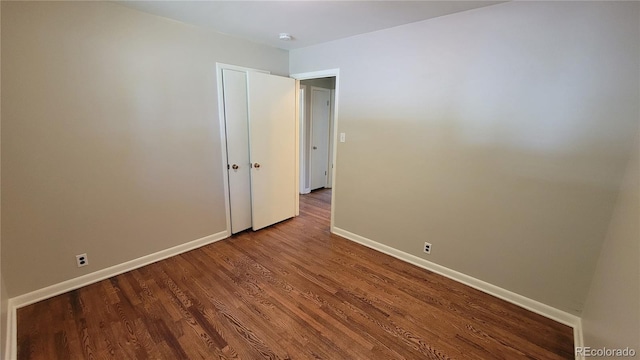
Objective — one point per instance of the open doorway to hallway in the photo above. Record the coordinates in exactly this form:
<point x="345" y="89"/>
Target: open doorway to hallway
<point x="317" y="99"/>
<point x="317" y="83"/>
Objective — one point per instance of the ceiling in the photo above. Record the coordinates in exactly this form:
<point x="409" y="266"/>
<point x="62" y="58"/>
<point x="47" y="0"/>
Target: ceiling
<point x="309" y="22"/>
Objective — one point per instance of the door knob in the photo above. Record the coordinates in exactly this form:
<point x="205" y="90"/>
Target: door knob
<point x="315" y="148"/>
<point x="234" y="167"/>
<point x="256" y="165"/>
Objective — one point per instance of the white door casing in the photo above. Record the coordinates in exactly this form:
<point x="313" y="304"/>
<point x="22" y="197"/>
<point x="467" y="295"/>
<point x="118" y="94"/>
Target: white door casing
<point x="237" y="134"/>
<point x="334" y="135"/>
<point x="319" y="147"/>
<point x="273" y="151"/>
<point x="331" y="139"/>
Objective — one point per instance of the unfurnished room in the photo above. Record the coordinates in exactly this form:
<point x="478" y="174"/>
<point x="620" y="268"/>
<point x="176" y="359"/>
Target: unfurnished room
<point x="319" y="179"/>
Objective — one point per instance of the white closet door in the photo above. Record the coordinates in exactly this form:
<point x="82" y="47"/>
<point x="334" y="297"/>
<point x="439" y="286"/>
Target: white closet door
<point x="237" y="128"/>
<point x="272" y="134"/>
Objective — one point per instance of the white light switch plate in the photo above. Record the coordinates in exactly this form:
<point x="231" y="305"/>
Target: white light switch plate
<point x="342" y="137"/>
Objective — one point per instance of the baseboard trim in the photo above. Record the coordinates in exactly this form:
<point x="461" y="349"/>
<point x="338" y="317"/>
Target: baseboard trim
<point x="516" y="299"/>
<point x="17" y="302"/>
<point x="72" y="284"/>
<point x="578" y="339"/>
<point x="11" y="351"/>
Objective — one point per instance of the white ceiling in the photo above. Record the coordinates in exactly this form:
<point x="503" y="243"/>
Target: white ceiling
<point x="309" y="22"/>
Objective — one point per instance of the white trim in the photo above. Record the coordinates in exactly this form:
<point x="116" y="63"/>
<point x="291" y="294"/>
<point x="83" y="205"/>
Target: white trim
<point x="316" y="74"/>
<point x="11" y="352"/>
<point x="331" y="139"/>
<point x="504" y="294"/>
<point x="296" y="193"/>
<point x="578" y="339"/>
<point x="84" y="280"/>
<point x="302" y="116"/>
<point x="319" y="74"/>
<point x="88" y="279"/>
<point x="239" y="68"/>
<point x="223" y="133"/>
<point x="53" y="290"/>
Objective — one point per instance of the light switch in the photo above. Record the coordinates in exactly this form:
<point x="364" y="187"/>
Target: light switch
<point x="342" y="137"/>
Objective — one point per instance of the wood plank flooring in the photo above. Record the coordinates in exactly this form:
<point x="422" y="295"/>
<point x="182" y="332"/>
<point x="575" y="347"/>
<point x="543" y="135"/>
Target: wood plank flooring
<point x="291" y="291"/>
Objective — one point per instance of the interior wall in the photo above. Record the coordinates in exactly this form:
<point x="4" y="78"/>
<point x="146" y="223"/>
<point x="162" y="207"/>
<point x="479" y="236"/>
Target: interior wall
<point x="611" y="317"/>
<point x="4" y="298"/>
<point x="110" y="138"/>
<point x="500" y="135"/>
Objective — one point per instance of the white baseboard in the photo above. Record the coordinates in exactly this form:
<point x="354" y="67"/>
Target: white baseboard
<point x="10" y="353"/>
<point x="516" y="299"/>
<point x="578" y="339"/>
<point x="53" y="290"/>
<point x="88" y="279"/>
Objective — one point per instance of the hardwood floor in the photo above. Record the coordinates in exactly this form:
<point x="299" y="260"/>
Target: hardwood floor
<point x="291" y="291"/>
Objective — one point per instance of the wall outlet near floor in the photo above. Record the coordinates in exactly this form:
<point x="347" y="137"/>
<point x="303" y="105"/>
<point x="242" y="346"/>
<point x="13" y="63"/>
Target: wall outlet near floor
<point x="82" y="260"/>
<point x="427" y="248"/>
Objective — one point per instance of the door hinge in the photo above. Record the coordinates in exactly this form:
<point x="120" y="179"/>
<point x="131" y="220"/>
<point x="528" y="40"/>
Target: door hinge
<point x="327" y="102"/>
<point x="325" y="173"/>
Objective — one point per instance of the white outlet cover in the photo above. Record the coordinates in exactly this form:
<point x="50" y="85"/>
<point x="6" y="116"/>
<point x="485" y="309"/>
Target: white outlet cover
<point x="82" y="260"/>
<point x="427" y="248"/>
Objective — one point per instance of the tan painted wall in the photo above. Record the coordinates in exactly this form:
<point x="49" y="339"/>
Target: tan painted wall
<point x="611" y="317"/>
<point x="500" y="135"/>
<point x="110" y="136"/>
<point x="4" y="298"/>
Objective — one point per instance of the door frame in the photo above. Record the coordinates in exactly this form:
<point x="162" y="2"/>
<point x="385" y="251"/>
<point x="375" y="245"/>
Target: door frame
<point x="302" y="174"/>
<point x="334" y="136"/>
<point x="223" y="136"/>
<point x="331" y="142"/>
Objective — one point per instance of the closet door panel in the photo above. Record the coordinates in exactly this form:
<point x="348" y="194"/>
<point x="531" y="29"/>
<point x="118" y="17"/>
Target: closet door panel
<point x="237" y="133"/>
<point x="272" y="139"/>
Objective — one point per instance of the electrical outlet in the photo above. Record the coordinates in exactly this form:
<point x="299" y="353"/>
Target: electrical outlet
<point x="82" y="260"/>
<point x="427" y="248"/>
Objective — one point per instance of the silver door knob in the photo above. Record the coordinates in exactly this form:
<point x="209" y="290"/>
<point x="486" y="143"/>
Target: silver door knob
<point x="256" y="165"/>
<point x="234" y="167"/>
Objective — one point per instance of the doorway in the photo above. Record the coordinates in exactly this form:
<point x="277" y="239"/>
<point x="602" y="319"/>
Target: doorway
<point x="318" y="123"/>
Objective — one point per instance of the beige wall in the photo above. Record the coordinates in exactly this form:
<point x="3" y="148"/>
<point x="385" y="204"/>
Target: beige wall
<point x="500" y="135"/>
<point x="3" y="291"/>
<point x="110" y="135"/>
<point x="611" y="317"/>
